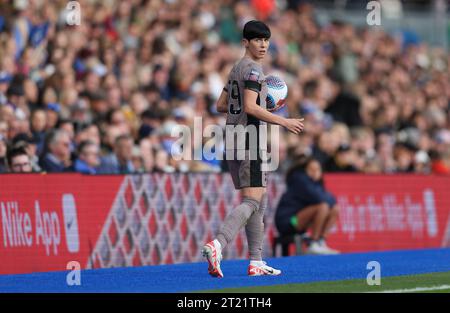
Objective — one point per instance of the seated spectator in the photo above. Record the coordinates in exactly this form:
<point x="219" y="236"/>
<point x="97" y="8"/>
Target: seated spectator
<point x="57" y="157"/>
<point x="404" y="157"/>
<point x="306" y="205"/>
<point x="340" y="77"/>
<point x="342" y="161"/>
<point x="4" y="127"/>
<point x="28" y="143"/>
<point x="19" y="161"/>
<point x="52" y="112"/>
<point x="438" y="164"/>
<point x="120" y="160"/>
<point x="3" y="151"/>
<point x="88" y="158"/>
<point x="38" y="127"/>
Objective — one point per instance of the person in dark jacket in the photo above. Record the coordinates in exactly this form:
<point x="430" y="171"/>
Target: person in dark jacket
<point x="119" y="161"/>
<point x="57" y="156"/>
<point x="342" y="161"/>
<point x="307" y="205"/>
<point x="88" y="158"/>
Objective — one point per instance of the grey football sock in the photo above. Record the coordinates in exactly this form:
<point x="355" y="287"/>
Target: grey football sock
<point x="255" y="231"/>
<point x="236" y="220"/>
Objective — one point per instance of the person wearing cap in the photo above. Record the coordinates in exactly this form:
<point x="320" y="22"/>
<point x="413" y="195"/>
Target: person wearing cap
<point x="342" y="160"/>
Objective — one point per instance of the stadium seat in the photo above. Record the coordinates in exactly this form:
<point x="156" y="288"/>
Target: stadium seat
<point x="285" y="241"/>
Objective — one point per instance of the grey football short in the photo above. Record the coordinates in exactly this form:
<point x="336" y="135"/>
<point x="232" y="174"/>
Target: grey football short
<point x="246" y="172"/>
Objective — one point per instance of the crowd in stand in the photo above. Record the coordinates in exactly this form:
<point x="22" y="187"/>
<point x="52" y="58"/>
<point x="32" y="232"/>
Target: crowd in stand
<point x="105" y="95"/>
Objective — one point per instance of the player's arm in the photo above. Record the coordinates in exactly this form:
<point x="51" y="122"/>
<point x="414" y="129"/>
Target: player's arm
<point x="292" y="124"/>
<point x="222" y="105"/>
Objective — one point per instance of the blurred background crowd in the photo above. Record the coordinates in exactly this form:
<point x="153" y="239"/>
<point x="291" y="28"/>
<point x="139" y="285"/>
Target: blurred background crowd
<point x="105" y="95"/>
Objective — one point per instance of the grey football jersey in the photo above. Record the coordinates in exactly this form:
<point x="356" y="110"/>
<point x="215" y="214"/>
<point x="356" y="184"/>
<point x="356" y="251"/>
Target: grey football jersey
<point x="244" y="74"/>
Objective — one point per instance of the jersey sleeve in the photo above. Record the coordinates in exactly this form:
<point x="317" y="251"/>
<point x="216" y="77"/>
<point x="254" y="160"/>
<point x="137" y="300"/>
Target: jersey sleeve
<point x="252" y="78"/>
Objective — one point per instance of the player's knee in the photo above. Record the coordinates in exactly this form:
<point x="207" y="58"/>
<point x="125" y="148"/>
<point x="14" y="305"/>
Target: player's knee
<point x="252" y="203"/>
<point x="334" y="211"/>
<point x="255" y="193"/>
<point x="323" y="207"/>
<point x="263" y="202"/>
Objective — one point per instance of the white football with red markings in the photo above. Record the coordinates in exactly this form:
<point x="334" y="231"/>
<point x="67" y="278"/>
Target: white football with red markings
<point x="277" y="91"/>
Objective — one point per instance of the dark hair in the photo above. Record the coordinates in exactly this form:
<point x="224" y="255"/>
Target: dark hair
<point x="310" y="87"/>
<point x="300" y="165"/>
<point x="62" y="122"/>
<point x="109" y="115"/>
<point x="255" y="29"/>
<point x="15" y="152"/>
<point x="123" y="137"/>
<point x="83" y="145"/>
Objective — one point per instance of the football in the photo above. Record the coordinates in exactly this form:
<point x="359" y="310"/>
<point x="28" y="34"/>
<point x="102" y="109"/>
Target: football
<point x="277" y="91"/>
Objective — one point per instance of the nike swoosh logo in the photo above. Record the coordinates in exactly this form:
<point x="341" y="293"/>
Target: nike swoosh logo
<point x="69" y="224"/>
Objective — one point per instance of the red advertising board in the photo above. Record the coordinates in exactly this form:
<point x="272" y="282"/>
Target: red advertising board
<point x="380" y="212"/>
<point x="49" y="220"/>
<point x="46" y="221"/>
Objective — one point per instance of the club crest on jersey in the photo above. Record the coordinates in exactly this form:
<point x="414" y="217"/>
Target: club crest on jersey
<point x="254" y="75"/>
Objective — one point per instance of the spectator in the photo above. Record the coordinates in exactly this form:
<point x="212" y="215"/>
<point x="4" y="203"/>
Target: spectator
<point x="404" y="157"/>
<point x="88" y="132"/>
<point x="57" y="155"/>
<point x="306" y="205"/>
<point x="52" y="111"/>
<point x="38" y="128"/>
<point x="5" y="79"/>
<point x="355" y="86"/>
<point x="88" y="158"/>
<point x="120" y="160"/>
<point x="19" y="161"/>
<point x="3" y="152"/>
<point x="29" y="144"/>
<point x="4" y="129"/>
<point x="422" y="163"/>
<point x="343" y="160"/>
<point x="439" y="164"/>
<point x="345" y="108"/>
<point x="137" y="160"/>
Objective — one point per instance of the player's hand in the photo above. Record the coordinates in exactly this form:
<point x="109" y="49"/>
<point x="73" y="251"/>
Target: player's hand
<point x="294" y="125"/>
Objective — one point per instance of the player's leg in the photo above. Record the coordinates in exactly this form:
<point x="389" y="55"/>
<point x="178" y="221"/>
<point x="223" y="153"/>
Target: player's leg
<point x="254" y="230"/>
<point x="251" y="197"/>
<point x="235" y="220"/>
<point x="227" y="232"/>
<point x="255" y="237"/>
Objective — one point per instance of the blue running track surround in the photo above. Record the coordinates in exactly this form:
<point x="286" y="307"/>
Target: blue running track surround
<point x="193" y="276"/>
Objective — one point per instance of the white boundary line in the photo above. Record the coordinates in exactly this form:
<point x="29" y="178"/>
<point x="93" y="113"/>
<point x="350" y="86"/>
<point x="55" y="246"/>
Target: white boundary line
<point x="442" y="287"/>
